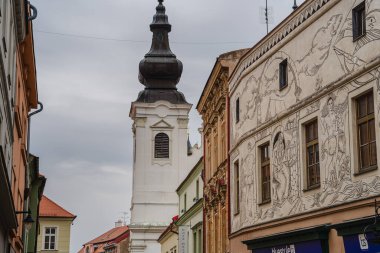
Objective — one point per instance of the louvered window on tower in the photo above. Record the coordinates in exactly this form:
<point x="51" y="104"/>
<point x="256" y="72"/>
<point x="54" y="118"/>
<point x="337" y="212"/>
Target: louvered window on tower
<point x="161" y="146"/>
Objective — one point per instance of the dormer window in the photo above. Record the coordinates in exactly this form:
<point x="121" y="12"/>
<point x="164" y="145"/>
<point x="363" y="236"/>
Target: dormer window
<point x="358" y="21"/>
<point x="161" y="146"/>
<point x="283" y="74"/>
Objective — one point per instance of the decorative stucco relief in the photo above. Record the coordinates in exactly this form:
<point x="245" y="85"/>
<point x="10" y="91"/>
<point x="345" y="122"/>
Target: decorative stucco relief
<point x="329" y="56"/>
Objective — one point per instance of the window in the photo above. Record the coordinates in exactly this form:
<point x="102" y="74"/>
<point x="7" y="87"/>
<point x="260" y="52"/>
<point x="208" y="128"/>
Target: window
<point x="200" y="239"/>
<point x="197" y="190"/>
<point x="283" y="74"/>
<point x="237" y="187"/>
<point x="312" y="154"/>
<point x="184" y="202"/>
<point x="161" y="146"/>
<point x="365" y="120"/>
<point x="265" y="173"/>
<point x="50" y="238"/>
<point x="358" y="21"/>
<point x="237" y="110"/>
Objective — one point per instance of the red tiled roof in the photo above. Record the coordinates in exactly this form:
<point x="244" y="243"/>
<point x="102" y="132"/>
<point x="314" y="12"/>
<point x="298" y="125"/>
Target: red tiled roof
<point x="109" y="235"/>
<point x="49" y="208"/>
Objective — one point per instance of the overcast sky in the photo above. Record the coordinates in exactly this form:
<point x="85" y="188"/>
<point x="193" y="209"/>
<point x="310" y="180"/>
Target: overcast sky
<point x="87" y="54"/>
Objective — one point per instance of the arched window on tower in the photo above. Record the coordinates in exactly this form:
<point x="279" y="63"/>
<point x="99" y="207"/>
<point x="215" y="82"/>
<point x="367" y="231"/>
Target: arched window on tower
<point x="161" y="146"/>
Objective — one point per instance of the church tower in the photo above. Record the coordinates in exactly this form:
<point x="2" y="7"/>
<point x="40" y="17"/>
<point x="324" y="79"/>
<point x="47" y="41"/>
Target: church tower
<point x="160" y="129"/>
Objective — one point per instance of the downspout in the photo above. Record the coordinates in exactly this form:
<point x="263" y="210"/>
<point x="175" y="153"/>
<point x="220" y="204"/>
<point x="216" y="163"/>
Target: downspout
<point x="228" y="168"/>
<point x="204" y="199"/>
<point x="27" y="175"/>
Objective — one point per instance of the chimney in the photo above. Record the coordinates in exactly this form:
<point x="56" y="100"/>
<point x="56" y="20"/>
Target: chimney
<point x="118" y="223"/>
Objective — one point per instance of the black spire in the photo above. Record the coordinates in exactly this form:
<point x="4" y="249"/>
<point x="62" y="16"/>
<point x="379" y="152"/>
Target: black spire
<point x="160" y="70"/>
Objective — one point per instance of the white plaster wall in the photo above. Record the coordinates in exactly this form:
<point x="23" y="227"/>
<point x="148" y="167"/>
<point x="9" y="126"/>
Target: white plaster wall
<point x="155" y="180"/>
<point x="189" y="189"/>
<point x="319" y="57"/>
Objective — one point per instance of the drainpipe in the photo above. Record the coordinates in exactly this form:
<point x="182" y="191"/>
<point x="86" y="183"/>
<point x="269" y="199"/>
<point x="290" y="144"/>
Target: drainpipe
<point x="34" y="12"/>
<point x="27" y="183"/>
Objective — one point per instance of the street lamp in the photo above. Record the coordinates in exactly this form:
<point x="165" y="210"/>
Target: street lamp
<point x="28" y="220"/>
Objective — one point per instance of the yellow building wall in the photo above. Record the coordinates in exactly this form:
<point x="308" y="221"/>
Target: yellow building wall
<point x="169" y="244"/>
<point x="63" y="236"/>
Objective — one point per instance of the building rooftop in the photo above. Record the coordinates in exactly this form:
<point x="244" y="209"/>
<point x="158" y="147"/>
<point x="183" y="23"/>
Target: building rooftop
<point x="48" y="208"/>
<point x="110" y="235"/>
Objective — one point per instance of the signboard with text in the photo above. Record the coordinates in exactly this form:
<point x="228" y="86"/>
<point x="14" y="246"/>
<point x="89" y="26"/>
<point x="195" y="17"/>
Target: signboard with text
<point x="361" y="243"/>
<point x="182" y="239"/>
<point x="301" y="247"/>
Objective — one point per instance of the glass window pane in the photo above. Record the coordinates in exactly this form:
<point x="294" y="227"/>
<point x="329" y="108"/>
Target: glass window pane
<point x="370" y="103"/>
<point x="373" y="154"/>
<point x="363" y="133"/>
<point x="362" y="107"/>
<point x="310" y="156"/>
<point x="316" y="153"/>
<point x="371" y="126"/>
<point x="47" y="231"/>
<point x="364" y="153"/>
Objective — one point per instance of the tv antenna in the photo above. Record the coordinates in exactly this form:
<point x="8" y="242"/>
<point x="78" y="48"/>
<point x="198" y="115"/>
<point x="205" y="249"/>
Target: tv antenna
<point x="266" y="15"/>
<point x="125" y="217"/>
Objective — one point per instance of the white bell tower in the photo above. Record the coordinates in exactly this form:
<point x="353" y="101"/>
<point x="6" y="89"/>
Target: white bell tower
<point x="160" y="128"/>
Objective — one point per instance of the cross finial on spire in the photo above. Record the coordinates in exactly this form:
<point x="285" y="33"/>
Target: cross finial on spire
<point x="295" y="6"/>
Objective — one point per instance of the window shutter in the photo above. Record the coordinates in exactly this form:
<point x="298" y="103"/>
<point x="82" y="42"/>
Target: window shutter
<point x="161" y="146"/>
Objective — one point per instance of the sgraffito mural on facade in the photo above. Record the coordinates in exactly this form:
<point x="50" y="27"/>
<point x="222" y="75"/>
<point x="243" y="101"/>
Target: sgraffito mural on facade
<point x="310" y="71"/>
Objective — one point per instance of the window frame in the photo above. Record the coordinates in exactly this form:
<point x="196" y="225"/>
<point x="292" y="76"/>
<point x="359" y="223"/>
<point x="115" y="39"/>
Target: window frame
<point x="359" y="21"/>
<point x="365" y="120"/>
<point x="312" y="143"/>
<point x="55" y="241"/>
<point x="155" y="155"/>
<point x="237" y="110"/>
<point x="236" y="187"/>
<point x="265" y="164"/>
<point x="283" y="74"/>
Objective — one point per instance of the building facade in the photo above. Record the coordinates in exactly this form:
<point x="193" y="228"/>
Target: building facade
<point x="305" y="117"/>
<point x="160" y="129"/>
<point x="18" y="89"/>
<point x="55" y="227"/>
<point x="169" y="238"/>
<point x="190" y="222"/>
<point x="213" y="107"/>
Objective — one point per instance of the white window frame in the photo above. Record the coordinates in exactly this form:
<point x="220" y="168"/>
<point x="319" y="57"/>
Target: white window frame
<point x="56" y="237"/>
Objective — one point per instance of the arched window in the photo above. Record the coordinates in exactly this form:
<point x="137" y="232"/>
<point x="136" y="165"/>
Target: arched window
<point x="161" y="146"/>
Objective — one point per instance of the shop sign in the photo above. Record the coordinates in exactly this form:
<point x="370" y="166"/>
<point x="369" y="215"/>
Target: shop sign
<point x="361" y="243"/>
<point x="301" y="247"/>
<point x="182" y="239"/>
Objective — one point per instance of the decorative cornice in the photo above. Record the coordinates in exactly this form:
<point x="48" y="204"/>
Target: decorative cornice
<point x="191" y="212"/>
<point x="284" y="29"/>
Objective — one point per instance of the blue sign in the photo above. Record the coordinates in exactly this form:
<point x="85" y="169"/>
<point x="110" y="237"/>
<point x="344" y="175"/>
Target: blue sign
<point x="300" y="247"/>
<point x="361" y="243"/>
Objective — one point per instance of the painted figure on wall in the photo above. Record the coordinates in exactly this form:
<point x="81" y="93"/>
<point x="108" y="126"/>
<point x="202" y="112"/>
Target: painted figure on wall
<point x="248" y="165"/>
<point x="281" y="173"/>
<point x="334" y="145"/>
